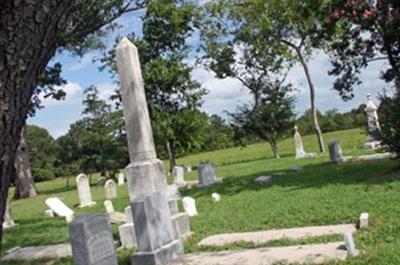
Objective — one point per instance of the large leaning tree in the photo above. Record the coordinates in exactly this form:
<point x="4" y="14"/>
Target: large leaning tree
<point x="359" y="33"/>
<point x="288" y="28"/>
<point x="31" y="32"/>
<point x="231" y="51"/>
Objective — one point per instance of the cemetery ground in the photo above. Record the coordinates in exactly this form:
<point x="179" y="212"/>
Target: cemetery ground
<point x="322" y="194"/>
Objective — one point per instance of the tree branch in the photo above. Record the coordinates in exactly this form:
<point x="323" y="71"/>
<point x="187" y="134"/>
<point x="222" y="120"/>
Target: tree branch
<point x="377" y="59"/>
<point x="124" y="10"/>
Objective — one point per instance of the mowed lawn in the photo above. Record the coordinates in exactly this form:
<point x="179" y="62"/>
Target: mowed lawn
<point x="322" y="194"/>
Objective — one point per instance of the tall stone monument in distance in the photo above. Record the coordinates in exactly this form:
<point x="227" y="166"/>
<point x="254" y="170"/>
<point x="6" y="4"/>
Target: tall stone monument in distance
<point x="373" y="123"/>
<point x="298" y="145"/>
<point x="146" y="178"/>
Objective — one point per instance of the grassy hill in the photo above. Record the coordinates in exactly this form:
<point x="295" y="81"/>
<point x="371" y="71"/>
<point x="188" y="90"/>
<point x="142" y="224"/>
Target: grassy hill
<point x="322" y="194"/>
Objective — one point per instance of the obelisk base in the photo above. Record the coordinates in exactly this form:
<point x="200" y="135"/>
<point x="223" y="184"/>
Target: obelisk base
<point x="161" y="256"/>
<point x="144" y="177"/>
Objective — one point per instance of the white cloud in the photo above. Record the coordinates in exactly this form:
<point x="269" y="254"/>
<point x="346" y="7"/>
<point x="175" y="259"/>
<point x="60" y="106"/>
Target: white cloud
<point x="86" y="60"/>
<point x="227" y="94"/>
<point x="223" y="94"/>
<point x="106" y="90"/>
<point x="73" y="93"/>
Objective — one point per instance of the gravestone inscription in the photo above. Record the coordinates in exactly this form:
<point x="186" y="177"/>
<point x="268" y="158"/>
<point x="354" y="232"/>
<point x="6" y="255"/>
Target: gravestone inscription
<point x="92" y="241"/>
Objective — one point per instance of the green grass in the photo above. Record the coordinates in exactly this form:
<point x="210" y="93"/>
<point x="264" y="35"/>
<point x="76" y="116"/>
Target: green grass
<point x="323" y="194"/>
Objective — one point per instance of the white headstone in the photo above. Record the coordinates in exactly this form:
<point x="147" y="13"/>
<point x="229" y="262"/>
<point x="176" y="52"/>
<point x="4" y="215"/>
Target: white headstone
<point x="127" y="235"/>
<point x="179" y="176"/>
<point x="48" y="213"/>
<point x="8" y="220"/>
<point x="109" y="206"/>
<point x="128" y="214"/>
<point x="60" y="209"/>
<point x="350" y="245"/>
<point x="110" y="189"/>
<point x="85" y="196"/>
<point x="121" y="179"/>
<point x="188" y="168"/>
<point x="298" y="144"/>
<point x="216" y="197"/>
<point x="372" y="115"/>
<point x="189" y="205"/>
<point x="364" y="220"/>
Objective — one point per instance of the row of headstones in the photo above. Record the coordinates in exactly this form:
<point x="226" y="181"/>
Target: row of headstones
<point x="207" y="175"/>
<point x="85" y="195"/>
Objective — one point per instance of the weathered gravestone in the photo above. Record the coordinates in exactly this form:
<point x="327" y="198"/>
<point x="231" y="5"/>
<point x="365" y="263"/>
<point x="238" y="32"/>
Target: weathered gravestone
<point x="8" y="219"/>
<point x="121" y="179"/>
<point x="128" y="214"/>
<point x="298" y="144"/>
<point x="92" y="241"/>
<point x="207" y="174"/>
<point x="154" y="231"/>
<point x="109" y="206"/>
<point x="60" y="209"/>
<point x="85" y="196"/>
<point x="115" y="217"/>
<point x="127" y="235"/>
<point x="189" y="204"/>
<point x="147" y="183"/>
<point x="363" y="223"/>
<point x="48" y="213"/>
<point x="373" y="124"/>
<point x="263" y="180"/>
<point x="335" y="152"/>
<point x="179" y="176"/>
<point x="110" y="189"/>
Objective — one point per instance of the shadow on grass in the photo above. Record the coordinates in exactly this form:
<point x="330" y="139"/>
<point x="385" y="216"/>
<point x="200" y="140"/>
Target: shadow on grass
<point x="27" y="233"/>
<point x="313" y="176"/>
<point x="235" y="162"/>
<point x="57" y="190"/>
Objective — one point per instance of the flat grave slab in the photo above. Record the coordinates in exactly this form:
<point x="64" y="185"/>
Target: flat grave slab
<point x="315" y="254"/>
<point x="261" y="237"/>
<point x="41" y="252"/>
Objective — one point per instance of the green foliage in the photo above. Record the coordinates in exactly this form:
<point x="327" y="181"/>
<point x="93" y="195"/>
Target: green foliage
<point x="272" y="118"/>
<point x="389" y="113"/>
<point x="42" y="152"/>
<point x="97" y="142"/>
<point x="358" y="33"/>
<point x="333" y="120"/>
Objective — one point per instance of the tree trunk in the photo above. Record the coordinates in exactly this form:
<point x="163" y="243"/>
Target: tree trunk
<point x="314" y="117"/>
<point x="275" y="149"/>
<point x="24" y="184"/>
<point x="171" y="155"/>
<point x="29" y="35"/>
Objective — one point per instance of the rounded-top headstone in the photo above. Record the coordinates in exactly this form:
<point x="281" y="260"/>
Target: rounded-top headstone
<point x="110" y="189"/>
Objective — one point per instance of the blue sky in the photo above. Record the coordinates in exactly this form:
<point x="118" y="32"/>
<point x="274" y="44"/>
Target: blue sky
<point x="224" y="95"/>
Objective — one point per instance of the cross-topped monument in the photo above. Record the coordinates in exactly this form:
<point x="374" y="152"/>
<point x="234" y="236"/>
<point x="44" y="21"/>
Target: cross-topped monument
<point x="145" y="174"/>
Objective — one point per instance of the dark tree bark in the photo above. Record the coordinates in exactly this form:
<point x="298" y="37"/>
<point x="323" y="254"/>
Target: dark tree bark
<point x="24" y="183"/>
<point x="30" y="33"/>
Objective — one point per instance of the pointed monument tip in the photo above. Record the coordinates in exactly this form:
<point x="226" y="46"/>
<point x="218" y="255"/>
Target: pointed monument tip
<point x="125" y="42"/>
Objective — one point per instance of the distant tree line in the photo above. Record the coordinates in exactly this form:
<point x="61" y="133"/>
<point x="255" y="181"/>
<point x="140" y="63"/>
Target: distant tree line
<point x="333" y="120"/>
<point x="97" y="142"/>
